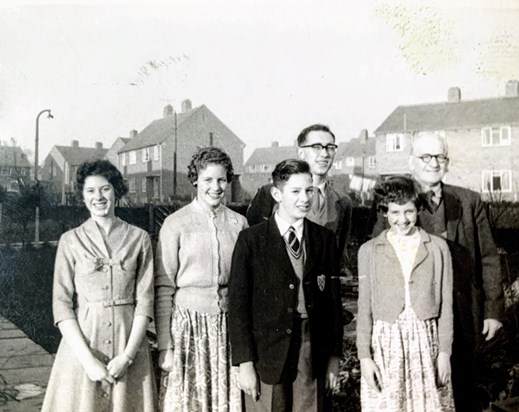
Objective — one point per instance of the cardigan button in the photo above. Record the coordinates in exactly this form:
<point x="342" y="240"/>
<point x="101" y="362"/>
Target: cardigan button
<point x="108" y="341"/>
<point x="291" y="286"/>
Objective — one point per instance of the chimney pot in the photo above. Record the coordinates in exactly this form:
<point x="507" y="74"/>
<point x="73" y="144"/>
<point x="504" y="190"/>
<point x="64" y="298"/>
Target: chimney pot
<point x="275" y="143"/>
<point x="168" y="110"/>
<point x="454" y="95"/>
<point x="512" y="88"/>
<point x="75" y="143"/>
<point x="99" y="145"/>
<point x="363" y="136"/>
<point x="133" y="133"/>
<point x="186" y="106"/>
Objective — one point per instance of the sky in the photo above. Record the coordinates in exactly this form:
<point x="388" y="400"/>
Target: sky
<point x="265" y="68"/>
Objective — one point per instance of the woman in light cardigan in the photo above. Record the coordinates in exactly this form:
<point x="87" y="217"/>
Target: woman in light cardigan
<point x="193" y="261"/>
<point x="405" y="319"/>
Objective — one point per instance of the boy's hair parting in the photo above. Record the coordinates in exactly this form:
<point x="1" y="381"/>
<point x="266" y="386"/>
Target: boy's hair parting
<point x="209" y="155"/>
<point x="287" y="168"/>
<point x="399" y="190"/>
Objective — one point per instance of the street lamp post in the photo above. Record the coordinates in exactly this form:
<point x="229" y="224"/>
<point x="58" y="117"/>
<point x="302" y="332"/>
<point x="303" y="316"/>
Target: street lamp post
<point x="36" y="143"/>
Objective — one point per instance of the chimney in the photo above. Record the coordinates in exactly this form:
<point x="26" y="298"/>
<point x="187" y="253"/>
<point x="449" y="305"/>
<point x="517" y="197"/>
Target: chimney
<point x="133" y="133"/>
<point x="168" y="110"/>
<point x="99" y="145"/>
<point x="454" y="95"/>
<point x="512" y="88"/>
<point x="275" y="144"/>
<point x="186" y="106"/>
<point x="75" y="143"/>
<point x="363" y="136"/>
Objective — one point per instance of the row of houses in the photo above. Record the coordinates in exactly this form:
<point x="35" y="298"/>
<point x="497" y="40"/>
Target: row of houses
<point x="482" y="135"/>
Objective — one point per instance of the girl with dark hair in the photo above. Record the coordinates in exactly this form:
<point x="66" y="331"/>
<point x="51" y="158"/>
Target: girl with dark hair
<point x="102" y="305"/>
<point x="192" y="271"/>
<point x="405" y="319"/>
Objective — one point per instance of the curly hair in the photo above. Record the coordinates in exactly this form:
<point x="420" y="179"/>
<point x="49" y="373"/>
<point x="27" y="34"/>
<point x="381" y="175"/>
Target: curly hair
<point x="301" y="139"/>
<point x="205" y="156"/>
<point x="399" y="190"/>
<point x="102" y="168"/>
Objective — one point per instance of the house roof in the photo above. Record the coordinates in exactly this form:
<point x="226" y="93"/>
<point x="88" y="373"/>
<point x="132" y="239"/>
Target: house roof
<point x="271" y="155"/>
<point x="13" y="156"/>
<point x="452" y="115"/>
<point x="354" y="148"/>
<point x="74" y="156"/>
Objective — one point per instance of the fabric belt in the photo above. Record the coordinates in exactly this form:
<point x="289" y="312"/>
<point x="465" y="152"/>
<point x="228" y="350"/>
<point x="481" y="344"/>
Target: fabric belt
<point x="109" y="303"/>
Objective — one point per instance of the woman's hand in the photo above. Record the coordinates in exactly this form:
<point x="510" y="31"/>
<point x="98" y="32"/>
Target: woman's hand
<point x="96" y="371"/>
<point x="248" y="380"/>
<point x="118" y="365"/>
<point x="371" y="373"/>
<point x="444" y="368"/>
<point x="166" y="360"/>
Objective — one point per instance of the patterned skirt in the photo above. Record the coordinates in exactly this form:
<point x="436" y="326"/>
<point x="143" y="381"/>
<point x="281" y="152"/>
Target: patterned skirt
<point x="405" y="353"/>
<point x="202" y="379"/>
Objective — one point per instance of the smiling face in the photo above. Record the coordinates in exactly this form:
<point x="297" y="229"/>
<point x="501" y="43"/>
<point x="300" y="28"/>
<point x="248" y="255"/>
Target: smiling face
<point x="320" y="163"/>
<point x="402" y="218"/>
<point x="99" y="197"/>
<point x="210" y="185"/>
<point x="428" y="174"/>
<point x="294" y="197"/>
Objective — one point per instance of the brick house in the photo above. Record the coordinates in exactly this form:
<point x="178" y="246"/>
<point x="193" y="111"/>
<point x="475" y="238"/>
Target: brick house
<point x="482" y="136"/>
<point x="60" y="167"/>
<point x="14" y="168"/>
<point x="113" y="153"/>
<point x="261" y="163"/>
<point x="147" y="160"/>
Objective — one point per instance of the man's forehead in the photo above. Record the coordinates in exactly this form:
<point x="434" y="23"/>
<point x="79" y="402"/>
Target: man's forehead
<point x="430" y="144"/>
<point x="318" y="136"/>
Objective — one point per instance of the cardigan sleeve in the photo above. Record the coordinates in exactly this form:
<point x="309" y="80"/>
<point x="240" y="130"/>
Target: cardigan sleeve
<point x="144" y="280"/>
<point x="364" y="314"/>
<point x="166" y="268"/>
<point x="63" y="289"/>
<point x="445" y="319"/>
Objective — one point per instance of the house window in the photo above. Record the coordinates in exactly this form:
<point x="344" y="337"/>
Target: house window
<point x="156" y="183"/>
<point x="131" y="185"/>
<point x="143" y="188"/>
<point x="350" y="161"/>
<point x="394" y="142"/>
<point x="122" y="156"/>
<point x="372" y="162"/>
<point x="496" y="136"/>
<point x="133" y="157"/>
<point x="496" y="180"/>
<point x="156" y="152"/>
<point x="338" y="165"/>
<point x="252" y="168"/>
<point x="145" y="154"/>
<point x="265" y="168"/>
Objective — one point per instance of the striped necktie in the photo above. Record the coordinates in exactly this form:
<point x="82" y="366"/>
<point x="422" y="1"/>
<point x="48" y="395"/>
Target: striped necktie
<point x="294" y="246"/>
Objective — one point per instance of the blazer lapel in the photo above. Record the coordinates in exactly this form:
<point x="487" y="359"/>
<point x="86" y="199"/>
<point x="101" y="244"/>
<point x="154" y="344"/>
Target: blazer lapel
<point x="311" y="242"/>
<point x="278" y="256"/>
<point x="452" y="211"/>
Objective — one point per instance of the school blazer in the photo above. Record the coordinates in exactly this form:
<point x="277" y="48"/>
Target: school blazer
<point x="263" y="299"/>
<point x="382" y="290"/>
<point x="478" y="290"/>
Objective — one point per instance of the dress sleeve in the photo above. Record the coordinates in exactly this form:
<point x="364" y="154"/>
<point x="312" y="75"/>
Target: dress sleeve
<point x="364" y="315"/>
<point x="63" y="289"/>
<point x="166" y="268"/>
<point x="144" y="280"/>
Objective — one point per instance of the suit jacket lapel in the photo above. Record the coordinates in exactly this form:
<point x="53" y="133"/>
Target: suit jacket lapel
<point x="310" y="248"/>
<point x="278" y="256"/>
<point x="452" y="211"/>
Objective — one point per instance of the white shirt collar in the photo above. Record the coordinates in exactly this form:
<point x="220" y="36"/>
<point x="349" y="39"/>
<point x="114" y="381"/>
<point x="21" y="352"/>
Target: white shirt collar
<point x="322" y="187"/>
<point x="283" y="226"/>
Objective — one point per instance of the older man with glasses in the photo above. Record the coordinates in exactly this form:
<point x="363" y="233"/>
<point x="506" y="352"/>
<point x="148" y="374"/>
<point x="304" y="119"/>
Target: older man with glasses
<point x="330" y="208"/>
<point x="458" y="215"/>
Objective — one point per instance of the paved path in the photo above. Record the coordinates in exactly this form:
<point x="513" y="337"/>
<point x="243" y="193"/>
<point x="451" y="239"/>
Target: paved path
<point x="25" y="367"/>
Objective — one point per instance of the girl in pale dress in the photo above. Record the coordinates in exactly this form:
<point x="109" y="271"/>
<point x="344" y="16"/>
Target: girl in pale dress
<point x="102" y="304"/>
<point x="404" y="321"/>
<point x="192" y="271"/>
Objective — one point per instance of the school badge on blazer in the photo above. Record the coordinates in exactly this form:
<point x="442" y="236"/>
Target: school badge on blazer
<point x="321" y="282"/>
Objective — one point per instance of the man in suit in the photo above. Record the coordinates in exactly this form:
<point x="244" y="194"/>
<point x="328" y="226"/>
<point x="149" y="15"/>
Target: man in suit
<point x="285" y="321"/>
<point x="330" y="208"/>
<point x="458" y="215"/>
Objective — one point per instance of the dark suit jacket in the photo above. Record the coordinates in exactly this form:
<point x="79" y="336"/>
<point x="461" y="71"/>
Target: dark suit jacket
<point x="478" y="292"/>
<point x="263" y="299"/>
<point x="339" y="209"/>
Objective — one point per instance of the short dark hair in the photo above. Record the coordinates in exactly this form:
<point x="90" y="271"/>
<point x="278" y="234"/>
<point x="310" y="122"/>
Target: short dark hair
<point x="102" y="168"/>
<point x="399" y="190"/>
<point x="287" y="168"/>
<point x="209" y="155"/>
<point x="301" y="139"/>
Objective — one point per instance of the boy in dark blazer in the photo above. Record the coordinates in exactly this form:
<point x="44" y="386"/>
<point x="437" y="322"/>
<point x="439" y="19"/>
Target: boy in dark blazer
<point x="285" y="321"/>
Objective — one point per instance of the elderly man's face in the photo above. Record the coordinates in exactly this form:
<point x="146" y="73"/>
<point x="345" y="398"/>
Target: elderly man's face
<point x="431" y="173"/>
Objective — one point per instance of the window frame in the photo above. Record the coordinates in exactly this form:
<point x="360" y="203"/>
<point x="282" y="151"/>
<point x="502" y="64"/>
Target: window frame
<point x="395" y="142"/>
<point x="490" y="134"/>
<point x="489" y="175"/>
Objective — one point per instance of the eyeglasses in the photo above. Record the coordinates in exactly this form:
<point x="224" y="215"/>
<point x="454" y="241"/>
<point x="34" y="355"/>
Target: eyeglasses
<point x="426" y="158"/>
<point x="318" y="147"/>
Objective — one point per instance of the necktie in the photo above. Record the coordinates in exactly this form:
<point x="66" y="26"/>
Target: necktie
<point x="318" y="204"/>
<point x="294" y="246"/>
<point x="429" y="197"/>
